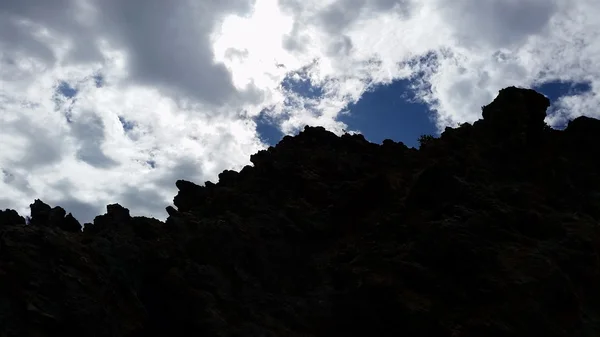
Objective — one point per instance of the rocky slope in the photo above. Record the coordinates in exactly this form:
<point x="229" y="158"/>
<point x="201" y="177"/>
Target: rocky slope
<point x="490" y="230"/>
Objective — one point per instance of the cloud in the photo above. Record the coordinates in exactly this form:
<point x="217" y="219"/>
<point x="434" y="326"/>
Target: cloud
<point x="83" y="211"/>
<point x="169" y="45"/>
<point x="109" y="97"/>
<point x="113" y="101"/>
<point x="457" y="54"/>
<point x="39" y="146"/>
<point x="89" y="130"/>
<point x="499" y="24"/>
<point x="337" y="16"/>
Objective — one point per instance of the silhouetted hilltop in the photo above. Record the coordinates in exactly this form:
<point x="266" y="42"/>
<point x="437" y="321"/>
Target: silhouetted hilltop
<point x="492" y="229"/>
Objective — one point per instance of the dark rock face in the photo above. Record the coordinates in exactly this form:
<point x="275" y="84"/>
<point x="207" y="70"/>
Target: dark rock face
<point x="43" y="215"/>
<point x="40" y="213"/>
<point x="489" y="230"/>
<point x="10" y="217"/>
<point x="70" y="224"/>
<point x="517" y="107"/>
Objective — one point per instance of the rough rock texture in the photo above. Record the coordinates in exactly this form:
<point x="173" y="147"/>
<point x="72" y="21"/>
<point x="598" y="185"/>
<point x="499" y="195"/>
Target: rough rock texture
<point x="490" y="230"/>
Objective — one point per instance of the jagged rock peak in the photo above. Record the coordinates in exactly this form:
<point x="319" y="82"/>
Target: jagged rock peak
<point x="171" y="211"/>
<point x="10" y="217"/>
<point x="117" y="212"/>
<point x="584" y="126"/>
<point x="330" y="235"/>
<point x="40" y="212"/>
<point x="70" y="224"/>
<point x="517" y="108"/>
<point x="185" y="186"/>
<point x="44" y="215"/>
<point x="189" y="194"/>
<point x="115" y="216"/>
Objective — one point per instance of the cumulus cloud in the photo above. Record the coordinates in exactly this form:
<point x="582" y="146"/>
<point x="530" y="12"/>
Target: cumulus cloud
<point x="113" y="101"/>
<point x="458" y="54"/>
<point x="113" y="98"/>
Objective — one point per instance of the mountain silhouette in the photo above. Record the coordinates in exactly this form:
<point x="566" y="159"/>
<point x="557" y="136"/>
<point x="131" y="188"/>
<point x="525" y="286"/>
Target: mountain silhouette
<point x="492" y="229"/>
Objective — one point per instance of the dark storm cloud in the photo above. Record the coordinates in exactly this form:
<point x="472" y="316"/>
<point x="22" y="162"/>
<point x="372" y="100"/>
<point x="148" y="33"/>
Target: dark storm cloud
<point x="168" y="44"/>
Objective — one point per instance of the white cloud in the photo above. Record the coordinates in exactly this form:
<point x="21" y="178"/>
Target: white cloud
<point x="478" y="47"/>
<point x="187" y="77"/>
<point x="157" y="73"/>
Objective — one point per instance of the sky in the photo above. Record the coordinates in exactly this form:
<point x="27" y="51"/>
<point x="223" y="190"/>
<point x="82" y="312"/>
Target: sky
<point x="110" y="101"/>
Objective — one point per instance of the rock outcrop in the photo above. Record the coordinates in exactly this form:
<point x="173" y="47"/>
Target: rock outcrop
<point x="492" y="229"/>
<point x="44" y="215"/>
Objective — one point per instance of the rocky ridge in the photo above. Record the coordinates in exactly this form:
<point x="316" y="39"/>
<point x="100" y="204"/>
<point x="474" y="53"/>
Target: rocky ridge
<point x="492" y="229"/>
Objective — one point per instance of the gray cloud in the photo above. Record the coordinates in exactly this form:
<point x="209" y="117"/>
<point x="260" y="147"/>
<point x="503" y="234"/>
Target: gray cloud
<point x="18" y="38"/>
<point x="17" y="180"/>
<point x="335" y="19"/>
<point x="342" y="45"/>
<point x="144" y="201"/>
<point x="82" y="211"/>
<point x="23" y="18"/>
<point x="296" y="40"/>
<point x="89" y="131"/>
<point x="167" y="44"/>
<point x="43" y="147"/>
<point x="8" y="204"/>
<point x="339" y="15"/>
<point x="498" y="23"/>
<point x="185" y="168"/>
<point x="234" y="53"/>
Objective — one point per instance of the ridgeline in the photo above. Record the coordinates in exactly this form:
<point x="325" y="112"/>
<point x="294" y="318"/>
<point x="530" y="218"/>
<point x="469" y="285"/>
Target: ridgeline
<point x="492" y="229"/>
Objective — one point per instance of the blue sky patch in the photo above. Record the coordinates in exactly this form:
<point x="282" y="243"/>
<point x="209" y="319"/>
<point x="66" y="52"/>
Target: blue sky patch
<point x="66" y="90"/>
<point x="554" y="90"/>
<point x="387" y="111"/>
<point x="69" y="116"/>
<point x="267" y="130"/>
<point x="127" y="125"/>
<point x="390" y="111"/>
<point x="557" y="89"/>
<point x="98" y="80"/>
<point x="300" y="83"/>
<point x="302" y="86"/>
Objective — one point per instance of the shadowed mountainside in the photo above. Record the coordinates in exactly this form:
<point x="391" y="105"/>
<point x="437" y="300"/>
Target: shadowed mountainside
<point x="491" y="229"/>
